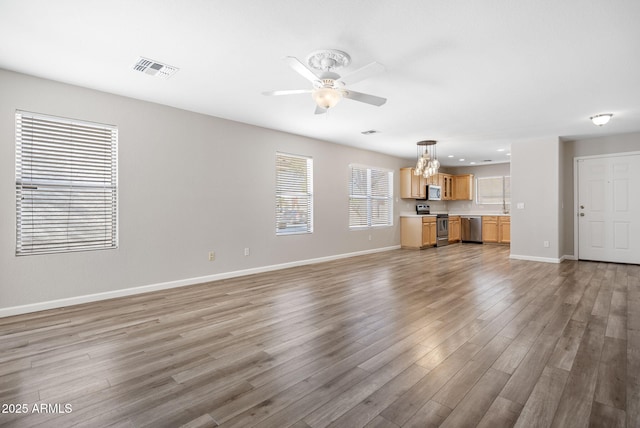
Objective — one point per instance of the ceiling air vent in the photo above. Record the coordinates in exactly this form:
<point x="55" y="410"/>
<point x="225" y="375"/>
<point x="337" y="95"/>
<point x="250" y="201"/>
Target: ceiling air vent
<point x="154" y="68"/>
<point x="369" y="132"/>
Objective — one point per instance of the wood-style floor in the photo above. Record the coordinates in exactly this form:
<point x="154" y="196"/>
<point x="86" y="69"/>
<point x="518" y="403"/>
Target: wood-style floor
<point x="458" y="336"/>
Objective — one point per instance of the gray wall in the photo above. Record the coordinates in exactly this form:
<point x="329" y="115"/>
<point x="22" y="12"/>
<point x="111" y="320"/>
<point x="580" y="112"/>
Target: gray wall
<point x="535" y="182"/>
<point x="586" y="147"/>
<point x="188" y="184"/>
<point x="493" y="170"/>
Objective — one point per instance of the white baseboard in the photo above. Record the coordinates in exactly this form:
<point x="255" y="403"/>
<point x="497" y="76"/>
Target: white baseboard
<point x="568" y="257"/>
<point x="59" y="303"/>
<point x="536" y="259"/>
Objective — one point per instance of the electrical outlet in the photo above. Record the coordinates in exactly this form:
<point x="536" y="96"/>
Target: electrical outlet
<point x="247" y="251"/>
<point x="369" y="237"/>
<point x="212" y="256"/>
<point x="546" y="244"/>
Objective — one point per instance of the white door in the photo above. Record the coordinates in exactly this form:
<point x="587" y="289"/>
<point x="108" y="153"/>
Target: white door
<point x="609" y="209"/>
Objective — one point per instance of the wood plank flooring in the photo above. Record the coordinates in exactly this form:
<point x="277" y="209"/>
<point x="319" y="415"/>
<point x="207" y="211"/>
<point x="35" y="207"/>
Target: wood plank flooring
<point x="457" y="336"/>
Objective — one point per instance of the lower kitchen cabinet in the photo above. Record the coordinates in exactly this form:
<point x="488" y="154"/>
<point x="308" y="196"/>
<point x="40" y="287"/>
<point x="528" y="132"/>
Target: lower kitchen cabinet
<point x="454" y="229"/>
<point x="418" y="232"/>
<point x="496" y="229"/>
<point x="504" y="230"/>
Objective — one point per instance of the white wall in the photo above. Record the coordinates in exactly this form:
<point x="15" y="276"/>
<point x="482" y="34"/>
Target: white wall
<point x="586" y="147"/>
<point x="535" y="172"/>
<point x="188" y="184"/>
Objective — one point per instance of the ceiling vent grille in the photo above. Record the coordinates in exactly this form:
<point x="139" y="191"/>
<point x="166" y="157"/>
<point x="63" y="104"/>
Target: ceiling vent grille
<point x="154" y="68"/>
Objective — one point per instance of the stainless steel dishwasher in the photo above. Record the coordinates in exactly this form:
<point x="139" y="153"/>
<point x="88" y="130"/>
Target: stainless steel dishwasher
<point x="471" y="229"/>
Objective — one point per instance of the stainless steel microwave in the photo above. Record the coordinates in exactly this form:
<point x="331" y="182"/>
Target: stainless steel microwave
<point x="434" y="193"/>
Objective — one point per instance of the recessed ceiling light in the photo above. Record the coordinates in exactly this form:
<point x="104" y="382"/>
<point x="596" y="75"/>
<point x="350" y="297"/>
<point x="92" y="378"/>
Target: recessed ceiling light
<point x="450" y="156"/>
<point x="472" y="163"/>
<point x="508" y="154"/>
<point x="500" y="150"/>
<point x="461" y="159"/>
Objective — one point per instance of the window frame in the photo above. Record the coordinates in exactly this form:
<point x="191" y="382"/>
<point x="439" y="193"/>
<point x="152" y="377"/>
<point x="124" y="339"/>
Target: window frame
<point x="65" y="167"/>
<point x="370" y="198"/>
<point x="308" y="229"/>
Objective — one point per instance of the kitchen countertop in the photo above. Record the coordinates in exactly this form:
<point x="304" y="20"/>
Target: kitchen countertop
<point x="479" y="214"/>
<point x="409" y="214"/>
<point x="433" y="214"/>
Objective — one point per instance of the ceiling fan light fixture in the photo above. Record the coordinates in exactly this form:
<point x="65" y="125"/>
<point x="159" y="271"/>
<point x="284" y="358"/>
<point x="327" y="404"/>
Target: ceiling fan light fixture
<point x="326" y="97"/>
<point x="601" y="119"/>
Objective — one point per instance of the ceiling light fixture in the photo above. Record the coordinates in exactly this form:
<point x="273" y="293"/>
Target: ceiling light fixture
<point x="427" y="164"/>
<point x="326" y="97"/>
<point x="601" y="119"/>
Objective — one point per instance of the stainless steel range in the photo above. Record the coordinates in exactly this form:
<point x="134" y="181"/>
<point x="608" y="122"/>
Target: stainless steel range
<point x="442" y="227"/>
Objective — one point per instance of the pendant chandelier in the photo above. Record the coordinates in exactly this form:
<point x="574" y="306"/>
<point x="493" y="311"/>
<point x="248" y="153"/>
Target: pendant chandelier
<point x="428" y="164"/>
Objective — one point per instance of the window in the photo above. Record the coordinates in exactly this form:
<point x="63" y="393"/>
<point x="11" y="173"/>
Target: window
<point x="493" y="190"/>
<point x="294" y="194"/>
<point x="66" y="185"/>
<point x="370" y="197"/>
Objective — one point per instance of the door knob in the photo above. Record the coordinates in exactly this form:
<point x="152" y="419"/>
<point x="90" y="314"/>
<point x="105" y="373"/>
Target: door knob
<point x="581" y="214"/>
<point x="581" y="207"/>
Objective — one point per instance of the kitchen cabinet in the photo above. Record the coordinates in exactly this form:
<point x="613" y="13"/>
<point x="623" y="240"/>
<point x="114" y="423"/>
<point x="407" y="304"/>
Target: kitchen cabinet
<point x="412" y="186"/>
<point x="504" y="230"/>
<point x="418" y="232"/>
<point x="490" y="228"/>
<point x="496" y="229"/>
<point x="454" y="229"/>
<point x="445" y="181"/>
<point x="463" y="187"/>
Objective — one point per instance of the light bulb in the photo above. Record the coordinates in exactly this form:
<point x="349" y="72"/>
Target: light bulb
<point x="326" y="97"/>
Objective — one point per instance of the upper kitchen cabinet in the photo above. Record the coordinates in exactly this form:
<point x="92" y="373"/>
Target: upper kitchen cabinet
<point x="463" y="187"/>
<point x="445" y="181"/>
<point x="412" y="186"/>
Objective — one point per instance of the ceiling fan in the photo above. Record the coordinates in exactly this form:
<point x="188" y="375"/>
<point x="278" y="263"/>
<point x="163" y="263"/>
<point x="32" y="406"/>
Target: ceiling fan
<point x="328" y="86"/>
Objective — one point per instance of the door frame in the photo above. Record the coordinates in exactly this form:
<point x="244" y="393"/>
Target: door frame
<point x="576" y="233"/>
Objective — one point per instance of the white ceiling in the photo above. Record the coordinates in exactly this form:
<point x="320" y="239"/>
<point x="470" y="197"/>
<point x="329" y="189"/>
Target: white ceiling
<point x="474" y="75"/>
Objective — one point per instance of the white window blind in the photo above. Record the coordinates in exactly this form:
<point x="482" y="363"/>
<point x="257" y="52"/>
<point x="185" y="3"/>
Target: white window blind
<point x="370" y="197"/>
<point x="294" y="194"/>
<point x="66" y="185"/>
<point x="493" y="190"/>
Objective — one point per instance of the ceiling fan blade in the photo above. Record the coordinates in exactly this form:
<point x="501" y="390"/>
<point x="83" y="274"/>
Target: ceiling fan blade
<point x="302" y="69"/>
<point x="288" y="92"/>
<point x="365" y="98"/>
<point x="320" y="110"/>
<point x="363" y="73"/>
